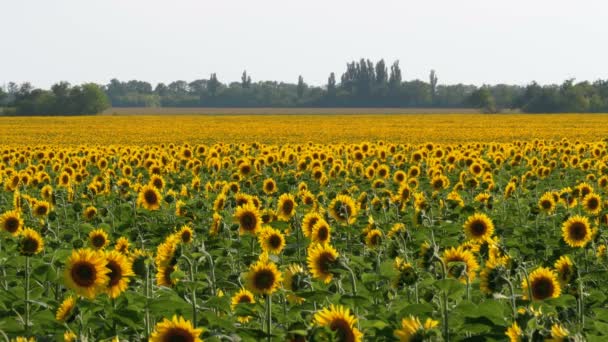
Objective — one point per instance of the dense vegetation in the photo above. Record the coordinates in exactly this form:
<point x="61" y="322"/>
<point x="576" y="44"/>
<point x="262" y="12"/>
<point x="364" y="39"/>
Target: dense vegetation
<point x="363" y="84"/>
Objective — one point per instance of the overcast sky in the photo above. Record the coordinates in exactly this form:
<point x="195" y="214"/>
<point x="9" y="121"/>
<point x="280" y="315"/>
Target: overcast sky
<point x="468" y="41"/>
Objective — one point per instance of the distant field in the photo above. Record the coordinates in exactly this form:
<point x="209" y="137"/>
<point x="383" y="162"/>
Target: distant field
<point x="259" y="111"/>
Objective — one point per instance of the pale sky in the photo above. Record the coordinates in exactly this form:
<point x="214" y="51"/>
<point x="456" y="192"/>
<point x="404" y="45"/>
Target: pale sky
<point x="468" y="41"/>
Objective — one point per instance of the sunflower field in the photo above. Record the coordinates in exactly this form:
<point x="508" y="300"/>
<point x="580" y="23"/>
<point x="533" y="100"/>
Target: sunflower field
<point x="333" y="228"/>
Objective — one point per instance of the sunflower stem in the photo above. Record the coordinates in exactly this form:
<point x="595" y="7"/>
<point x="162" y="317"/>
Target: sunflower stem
<point x="269" y="316"/>
<point x="147" y="295"/>
<point x="27" y="295"/>
<point x="512" y="292"/>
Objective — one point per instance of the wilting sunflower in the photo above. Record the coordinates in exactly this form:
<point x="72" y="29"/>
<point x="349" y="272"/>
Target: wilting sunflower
<point x="149" y="197"/>
<point x="460" y="262"/>
<point x="185" y="234"/>
<point x="373" y="238"/>
<point x="269" y="186"/>
<point x="122" y="245"/>
<point x="86" y="272"/>
<point x="176" y="329"/>
<point x="514" y="333"/>
<point x="413" y="330"/>
<point x="248" y="218"/>
<point x="343" y="209"/>
<point x="89" y="213"/>
<point x="165" y="252"/>
<point x="576" y="231"/>
<point x="321" y="232"/>
<point x="271" y="240"/>
<point x="121" y="269"/>
<point x="163" y="275"/>
<point x="491" y="277"/>
<point x="216" y="225"/>
<point x="295" y="280"/>
<point x="339" y="319"/>
<point x="243" y="296"/>
<point x="406" y="273"/>
<point x="592" y="204"/>
<point x="30" y="242"/>
<point x="70" y="336"/>
<point x="309" y="221"/>
<point x="321" y="258"/>
<point x="558" y="333"/>
<point x="11" y="222"/>
<point x="66" y="309"/>
<point x="479" y="227"/>
<point x="565" y="269"/>
<point x="543" y="284"/>
<point x="219" y="203"/>
<point x="286" y="207"/>
<point x="98" y="238"/>
<point x="263" y="277"/>
<point x="546" y="203"/>
<point x="41" y="208"/>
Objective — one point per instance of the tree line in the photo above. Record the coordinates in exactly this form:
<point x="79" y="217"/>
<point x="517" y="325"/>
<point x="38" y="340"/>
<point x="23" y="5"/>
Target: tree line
<point x="363" y="84"/>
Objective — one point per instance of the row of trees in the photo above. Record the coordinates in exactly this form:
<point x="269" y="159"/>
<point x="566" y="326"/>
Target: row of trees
<point x="362" y="84"/>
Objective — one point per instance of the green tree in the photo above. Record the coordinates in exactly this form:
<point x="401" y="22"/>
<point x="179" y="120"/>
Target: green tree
<point x="213" y="85"/>
<point x="483" y="99"/>
<point x="433" y="83"/>
<point x="301" y="87"/>
<point x="245" y="80"/>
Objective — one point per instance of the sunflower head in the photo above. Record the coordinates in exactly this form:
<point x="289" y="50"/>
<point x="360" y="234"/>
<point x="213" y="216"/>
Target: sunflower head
<point x="271" y="240"/>
<point x="542" y="283"/>
<point x="243" y="296"/>
<point x="343" y="209"/>
<point x="514" y="333"/>
<point x="248" y="218"/>
<point x="121" y="268"/>
<point x="286" y="207"/>
<point x="321" y="259"/>
<point x="406" y="274"/>
<point x="321" y="232"/>
<point x="296" y="279"/>
<point x="373" y="238"/>
<point x="41" y="208"/>
<point x="460" y="263"/>
<point x="89" y="213"/>
<point x="149" y="197"/>
<point x="30" y="242"/>
<point x="98" y="238"/>
<point x="269" y="186"/>
<point x="339" y="319"/>
<point x="186" y="234"/>
<point x="492" y="275"/>
<point x="576" y="231"/>
<point x="176" y="329"/>
<point x="413" y="330"/>
<point x="11" y="222"/>
<point x="566" y="270"/>
<point x="308" y="222"/>
<point x="86" y="272"/>
<point x="67" y="310"/>
<point x="263" y="277"/>
<point x="592" y="204"/>
<point x="122" y="245"/>
<point x="479" y="227"/>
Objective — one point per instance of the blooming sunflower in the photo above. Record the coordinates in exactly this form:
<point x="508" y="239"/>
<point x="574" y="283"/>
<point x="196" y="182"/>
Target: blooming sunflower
<point x="546" y="203"/>
<point x="309" y="221"/>
<point x="149" y="197"/>
<point x="413" y="330"/>
<point x="216" y="225"/>
<point x="98" y="238"/>
<point x="339" y="319"/>
<point x="176" y="329"/>
<point x="163" y="275"/>
<point x="248" y="218"/>
<point x="263" y="277"/>
<point x="11" y="222"/>
<point x="343" y="209"/>
<point x="243" y="296"/>
<point x="321" y="232"/>
<point x="89" y="213"/>
<point x="286" y="207"/>
<point x="121" y="268"/>
<point x="271" y="240"/>
<point x="86" y="272"/>
<point x="185" y="234"/>
<point x="479" y="227"/>
<point x="30" y="242"/>
<point x="406" y="273"/>
<point x="122" y="245"/>
<point x="460" y="262"/>
<point x="66" y="309"/>
<point x="320" y="259"/>
<point x="514" y="333"/>
<point x="491" y="280"/>
<point x="565" y="269"/>
<point x="576" y="231"/>
<point x="373" y="238"/>
<point x="269" y="186"/>
<point x="592" y="204"/>
<point x="558" y="333"/>
<point x="69" y="336"/>
<point x="219" y="203"/>
<point x="41" y="208"/>
<point x="543" y="284"/>
<point x="294" y="281"/>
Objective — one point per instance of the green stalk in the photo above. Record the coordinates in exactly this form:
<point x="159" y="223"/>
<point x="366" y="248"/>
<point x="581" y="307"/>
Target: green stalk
<point x="269" y="316"/>
<point x="27" y="295"/>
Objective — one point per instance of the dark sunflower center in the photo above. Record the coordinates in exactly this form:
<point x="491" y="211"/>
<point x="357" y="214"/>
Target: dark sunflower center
<point x="84" y="274"/>
<point x="546" y="204"/>
<point x="29" y="245"/>
<point x="98" y="241"/>
<point x="41" y="210"/>
<point x="287" y="207"/>
<point x="324" y="261"/>
<point x="150" y="197"/>
<point x="178" y="335"/>
<point x="115" y="272"/>
<point x="186" y="236"/>
<point x="593" y="203"/>
<point x="274" y="241"/>
<point x="478" y="228"/>
<point x="312" y="223"/>
<point x="248" y="221"/>
<point x="244" y="299"/>
<point x="11" y="224"/>
<point x="263" y="279"/>
<point x="269" y="186"/>
<point x="158" y="183"/>
<point x="343" y="330"/>
<point x="375" y="240"/>
<point x="542" y="288"/>
<point x="322" y="233"/>
<point x="578" y="231"/>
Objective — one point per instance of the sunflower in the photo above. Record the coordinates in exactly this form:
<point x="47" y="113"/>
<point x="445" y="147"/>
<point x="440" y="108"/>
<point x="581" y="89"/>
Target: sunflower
<point x="339" y="319"/>
<point x="269" y="186"/>
<point x="491" y="277"/>
<point x="41" y="208"/>
<point x="263" y="277"/>
<point x="30" y="242"/>
<point x="176" y="329"/>
<point x="373" y="238"/>
<point x="592" y="204"/>
<point x="543" y="284"/>
<point x="565" y="269"/>
<point x="122" y="245"/>
<point x="69" y="336"/>
<point x="248" y="218"/>
<point x="343" y="209"/>
<point x="321" y="232"/>
<point x="11" y="222"/>
<point x="546" y="203"/>
<point x="406" y="273"/>
<point x="216" y="225"/>
<point x="121" y="268"/>
<point x="157" y="181"/>
<point x="86" y="272"/>
<point x="286" y="207"/>
<point x="514" y="333"/>
<point x="271" y="240"/>
<point x="309" y="221"/>
<point x="89" y="213"/>
<point x="294" y="281"/>
<point x="98" y="238"/>
<point x="164" y="275"/>
<point x="166" y="252"/>
<point x="243" y="296"/>
<point x="460" y="262"/>
<point x="65" y="312"/>
<point x="479" y="227"/>
<point x="413" y="330"/>
<point x="149" y="197"/>
<point x="558" y="333"/>
<point x="185" y="234"/>
<point x="219" y="203"/>
<point x="576" y="231"/>
<point x="320" y="259"/>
